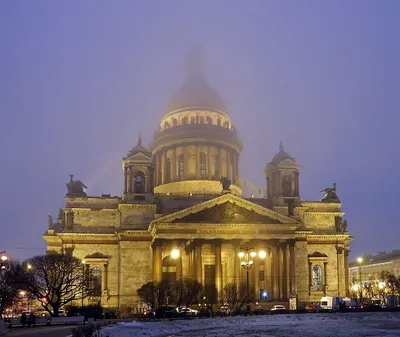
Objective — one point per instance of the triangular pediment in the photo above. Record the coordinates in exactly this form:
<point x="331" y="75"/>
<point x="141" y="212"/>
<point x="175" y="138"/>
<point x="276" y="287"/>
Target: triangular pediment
<point x="226" y="209"/>
<point x="290" y="163"/>
<point x="139" y="157"/>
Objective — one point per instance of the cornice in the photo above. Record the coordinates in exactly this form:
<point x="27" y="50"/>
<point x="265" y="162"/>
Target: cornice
<point x="315" y="214"/>
<point x="137" y="206"/>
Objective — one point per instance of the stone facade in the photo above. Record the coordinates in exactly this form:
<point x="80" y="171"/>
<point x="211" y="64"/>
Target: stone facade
<point x="182" y="194"/>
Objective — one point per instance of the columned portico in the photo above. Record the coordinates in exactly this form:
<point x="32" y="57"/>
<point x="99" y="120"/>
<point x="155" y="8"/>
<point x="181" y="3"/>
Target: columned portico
<point x="277" y="267"/>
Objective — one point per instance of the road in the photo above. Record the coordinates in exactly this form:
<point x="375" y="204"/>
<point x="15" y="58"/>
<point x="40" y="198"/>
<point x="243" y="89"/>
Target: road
<point x="42" y="331"/>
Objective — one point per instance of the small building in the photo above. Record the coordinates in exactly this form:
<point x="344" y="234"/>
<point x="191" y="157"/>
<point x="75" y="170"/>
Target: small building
<point x="372" y="265"/>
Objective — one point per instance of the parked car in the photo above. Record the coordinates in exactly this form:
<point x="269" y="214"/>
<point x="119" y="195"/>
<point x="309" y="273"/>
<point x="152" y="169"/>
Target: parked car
<point x="278" y="309"/>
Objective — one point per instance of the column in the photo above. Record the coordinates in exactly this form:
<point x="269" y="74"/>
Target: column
<point x="228" y="164"/>
<point x="309" y="275"/>
<point x="234" y="166"/>
<point x="129" y="179"/>
<point x="237" y="165"/>
<point x="218" y="268"/>
<point x="174" y="166"/>
<point x="256" y="275"/>
<point x="340" y="271"/>
<point x="236" y="262"/>
<point x="125" y="180"/>
<point x="163" y="168"/>
<point x="346" y="270"/>
<point x="157" y="261"/>
<point x="296" y="175"/>
<point x="197" y="149"/>
<point x="158" y="170"/>
<point x="105" y="277"/>
<point x="219" y="163"/>
<point x="209" y="161"/>
<point x="325" y="277"/>
<point x="287" y="267"/>
<point x="199" y="262"/>
<point x="281" y="272"/>
<point x="275" y="271"/>
<point x="186" y="162"/>
<point x="292" y="272"/>
<point x="268" y="271"/>
<point x="179" y="267"/>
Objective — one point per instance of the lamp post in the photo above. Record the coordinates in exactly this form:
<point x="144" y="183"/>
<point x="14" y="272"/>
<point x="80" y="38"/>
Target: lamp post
<point x="3" y="259"/>
<point x="247" y="256"/>
<point x="360" y="260"/>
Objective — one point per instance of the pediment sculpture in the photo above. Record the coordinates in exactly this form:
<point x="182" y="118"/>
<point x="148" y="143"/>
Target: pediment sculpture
<point x="227" y="212"/>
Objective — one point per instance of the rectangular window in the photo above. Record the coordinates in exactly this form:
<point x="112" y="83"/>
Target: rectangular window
<point x="261" y="275"/>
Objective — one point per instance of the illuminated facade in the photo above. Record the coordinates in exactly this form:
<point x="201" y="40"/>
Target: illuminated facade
<point x="177" y="197"/>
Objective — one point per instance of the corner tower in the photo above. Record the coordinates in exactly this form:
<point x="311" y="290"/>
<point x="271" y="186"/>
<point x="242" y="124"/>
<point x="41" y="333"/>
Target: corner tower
<point x="282" y="175"/>
<point x="196" y="144"/>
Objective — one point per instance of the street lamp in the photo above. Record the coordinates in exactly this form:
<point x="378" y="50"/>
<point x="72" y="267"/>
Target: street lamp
<point x="3" y="259"/>
<point x="247" y="256"/>
<point x="360" y="261"/>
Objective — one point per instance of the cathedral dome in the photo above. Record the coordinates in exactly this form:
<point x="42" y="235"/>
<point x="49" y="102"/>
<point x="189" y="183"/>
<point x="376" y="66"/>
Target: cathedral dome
<point x="196" y="92"/>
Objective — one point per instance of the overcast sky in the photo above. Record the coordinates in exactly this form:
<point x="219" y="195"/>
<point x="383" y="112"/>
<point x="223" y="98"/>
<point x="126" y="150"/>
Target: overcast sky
<point x="79" y="79"/>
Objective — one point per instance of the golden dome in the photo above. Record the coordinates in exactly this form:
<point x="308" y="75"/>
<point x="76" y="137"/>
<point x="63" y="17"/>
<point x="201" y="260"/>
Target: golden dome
<point x="196" y="92"/>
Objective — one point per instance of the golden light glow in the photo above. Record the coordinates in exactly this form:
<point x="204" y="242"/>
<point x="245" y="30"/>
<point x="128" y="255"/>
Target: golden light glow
<point x="83" y="261"/>
<point x="360" y="259"/>
<point x="4" y="258"/>
<point x="253" y="254"/>
<point x="382" y="285"/>
<point x="22" y="293"/>
<point x="175" y="253"/>
<point x="241" y="254"/>
<point x="262" y="254"/>
<point x="29" y="266"/>
<point x="355" y="287"/>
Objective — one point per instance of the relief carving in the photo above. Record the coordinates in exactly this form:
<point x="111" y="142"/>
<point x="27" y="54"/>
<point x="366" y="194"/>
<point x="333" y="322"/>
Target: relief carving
<point x="227" y="213"/>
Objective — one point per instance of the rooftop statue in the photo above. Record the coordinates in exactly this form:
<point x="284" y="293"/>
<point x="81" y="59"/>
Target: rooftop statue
<point x="75" y="188"/>
<point x="330" y="194"/>
<point x="226" y="183"/>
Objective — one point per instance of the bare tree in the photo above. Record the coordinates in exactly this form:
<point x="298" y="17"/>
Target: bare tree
<point x="12" y="279"/>
<point x="235" y="296"/>
<point x="187" y="292"/>
<point x="148" y="293"/>
<point x="57" y="280"/>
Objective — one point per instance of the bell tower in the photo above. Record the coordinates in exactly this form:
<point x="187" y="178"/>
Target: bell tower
<point x="282" y="175"/>
<point x="138" y="173"/>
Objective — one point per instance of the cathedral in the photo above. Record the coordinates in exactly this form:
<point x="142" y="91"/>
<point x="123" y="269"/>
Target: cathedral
<point x="183" y="214"/>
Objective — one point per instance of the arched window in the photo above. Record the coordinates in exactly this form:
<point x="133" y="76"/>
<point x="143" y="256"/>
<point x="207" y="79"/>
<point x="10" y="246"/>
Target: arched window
<point x="193" y="120"/>
<point x="216" y="166"/>
<point x="287" y="186"/>
<point x="201" y="119"/>
<point x="95" y="281"/>
<point x="181" y="165"/>
<point x="139" y="182"/>
<point x="209" y="120"/>
<point x="317" y="278"/>
<point x="197" y="119"/>
<point x="218" y="121"/>
<point x="168" y="169"/>
<point x="203" y="165"/>
<point x="174" y="122"/>
<point x="184" y="120"/>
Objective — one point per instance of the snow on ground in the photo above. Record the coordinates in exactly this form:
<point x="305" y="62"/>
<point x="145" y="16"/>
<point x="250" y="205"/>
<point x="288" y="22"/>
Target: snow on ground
<point x="376" y="324"/>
